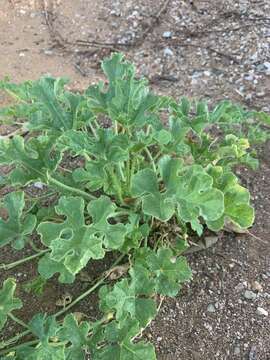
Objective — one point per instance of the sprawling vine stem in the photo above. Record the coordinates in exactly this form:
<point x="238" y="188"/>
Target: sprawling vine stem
<point x="22" y="261"/>
<point x="18" y="321"/>
<point x="102" y="279"/>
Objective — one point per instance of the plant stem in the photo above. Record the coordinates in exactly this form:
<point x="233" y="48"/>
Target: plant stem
<point x="93" y="130"/>
<point x="21" y="261"/>
<point x="10" y="341"/>
<point x="71" y="189"/>
<point x="18" y="321"/>
<point x="116" y="127"/>
<point x="116" y="185"/>
<point x="121" y="173"/>
<point x="151" y="159"/>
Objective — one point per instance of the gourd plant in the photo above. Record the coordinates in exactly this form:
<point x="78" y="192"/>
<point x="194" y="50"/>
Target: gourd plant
<point x="122" y="171"/>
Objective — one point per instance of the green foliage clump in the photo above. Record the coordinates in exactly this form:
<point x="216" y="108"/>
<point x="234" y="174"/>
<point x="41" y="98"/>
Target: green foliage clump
<point x="137" y="174"/>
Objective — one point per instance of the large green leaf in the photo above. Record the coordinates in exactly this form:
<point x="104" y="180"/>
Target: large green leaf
<point x="16" y="229"/>
<point x="127" y="100"/>
<point x="47" y="105"/>
<point x="72" y="242"/>
<point x="8" y="302"/>
<point x="33" y="158"/>
<point x="189" y="189"/>
<point x="94" y="175"/>
<point x="197" y="198"/>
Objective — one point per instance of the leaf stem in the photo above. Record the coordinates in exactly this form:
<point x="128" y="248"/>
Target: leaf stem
<point x="71" y="189"/>
<point x="28" y="343"/>
<point x="21" y="261"/>
<point x="116" y="185"/>
<point x="151" y="159"/>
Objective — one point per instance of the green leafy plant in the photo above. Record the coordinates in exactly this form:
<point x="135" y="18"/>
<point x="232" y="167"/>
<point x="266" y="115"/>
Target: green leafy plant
<point x="133" y="174"/>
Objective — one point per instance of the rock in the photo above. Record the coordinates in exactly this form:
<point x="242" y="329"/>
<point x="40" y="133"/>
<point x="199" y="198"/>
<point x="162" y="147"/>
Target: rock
<point x="168" y="52"/>
<point x="250" y="295"/>
<point x="256" y="286"/>
<point x="252" y="353"/>
<point x="211" y="308"/>
<point x="236" y="350"/>
<point x="167" y="34"/>
<point x="260" y="311"/>
<point x="267" y="67"/>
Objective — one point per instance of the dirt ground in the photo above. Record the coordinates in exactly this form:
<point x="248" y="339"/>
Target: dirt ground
<point x="212" y="49"/>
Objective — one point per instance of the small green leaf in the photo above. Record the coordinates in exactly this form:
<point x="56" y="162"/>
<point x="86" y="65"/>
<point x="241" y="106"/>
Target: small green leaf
<point x="8" y="302"/>
<point x="76" y="334"/>
<point x="170" y="272"/>
<point x="124" y="300"/>
<point x="45" y="328"/>
<point x="35" y="286"/>
<point x="16" y="229"/>
<point x="155" y="204"/>
<point x="120" y="345"/>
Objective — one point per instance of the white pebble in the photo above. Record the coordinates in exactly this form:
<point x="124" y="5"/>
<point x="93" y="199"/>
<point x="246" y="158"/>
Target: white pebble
<point x="261" y="311"/>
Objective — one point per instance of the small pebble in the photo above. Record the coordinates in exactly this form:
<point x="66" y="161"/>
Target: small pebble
<point x="168" y="52"/>
<point x="38" y="185"/>
<point x="211" y="308"/>
<point x="167" y="34"/>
